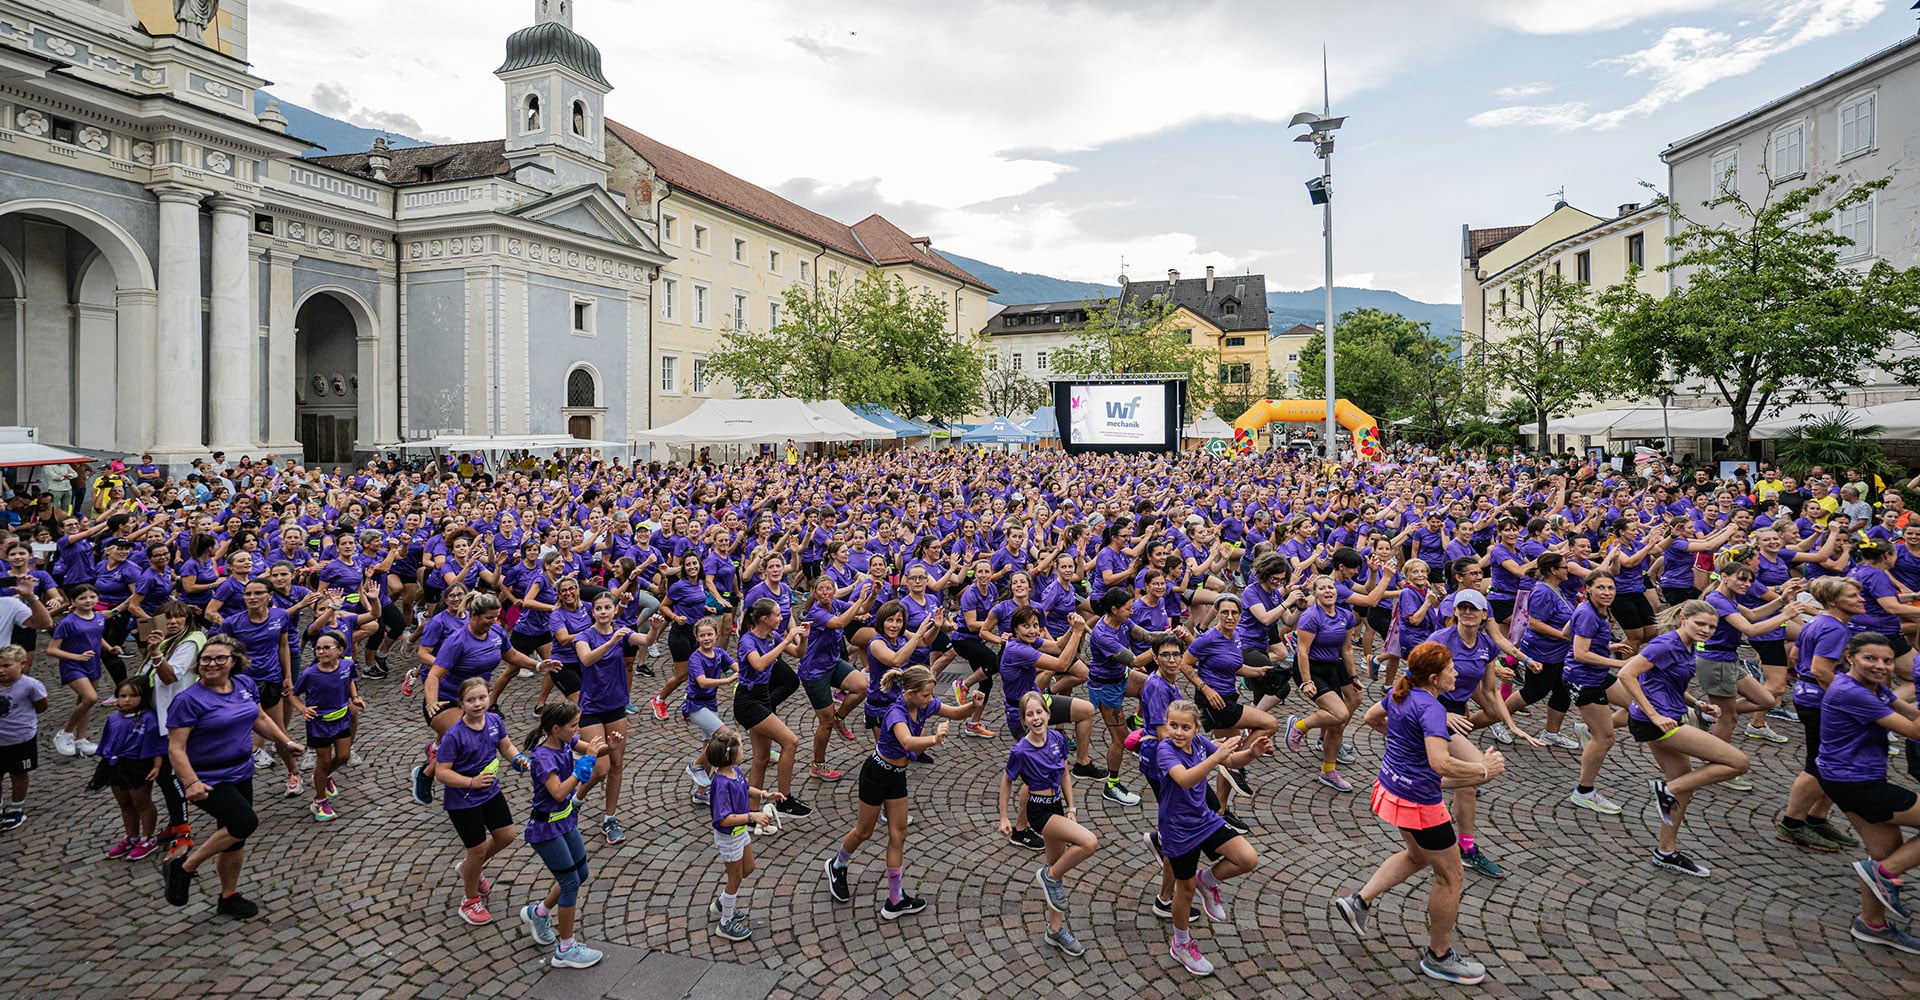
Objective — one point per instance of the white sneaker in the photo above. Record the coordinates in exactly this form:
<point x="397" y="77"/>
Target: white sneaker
<point x="656" y="651"/>
<point x="263" y="757"/>
<point x="85" y="748"/>
<point x="1585" y="734"/>
<point x="63" y="743"/>
<point x="1501" y="732"/>
<point x="1561" y="740"/>
<point x="307" y="761"/>
<point x="1595" y="801"/>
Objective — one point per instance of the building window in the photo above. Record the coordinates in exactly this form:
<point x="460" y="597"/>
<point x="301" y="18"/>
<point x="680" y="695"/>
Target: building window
<point x="739" y="310"/>
<point x="1293" y="356"/>
<point x="1503" y="302"/>
<point x="699" y="237"/>
<point x="582" y="394"/>
<point x="833" y="277"/>
<point x="1856" y="125"/>
<point x="580" y="119"/>
<point x="806" y="269"/>
<point x="1040" y="361"/>
<point x="1855" y="223"/>
<point x="1231" y="308"/>
<point x="773" y="261"/>
<point x="993" y="361"/>
<point x="1293" y="381"/>
<point x="699" y="376"/>
<point x="1236" y="341"/>
<point x="1236" y="374"/>
<point x="583" y="317"/>
<point x="1636" y="251"/>
<point x="1016" y="361"/>
<point x="1183" y="336"/>
<point x="530" y="114"/>
<point x="701" y="296"/>
<point x="739" y="250"/>
<point x="669" y="228"/>
<point x="773" y="314"/>
<point x="1726" y="172"/>
<point x="1787" y="152"/>
<point x="669" y="373"/>
<point x="1556" y="270"/>
<point x="670" y="300"/>
<point x="1583" y="267"/>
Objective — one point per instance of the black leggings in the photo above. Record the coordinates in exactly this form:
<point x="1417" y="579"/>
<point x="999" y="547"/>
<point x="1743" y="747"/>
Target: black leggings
<point x="1547" y="684"/>
<point x="980" y="657"/>
<point x="392" y="623"/>
<point x="170" y="790"/>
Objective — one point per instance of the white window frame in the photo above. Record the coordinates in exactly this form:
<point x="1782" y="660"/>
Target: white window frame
<point x="1797" y="169"/>
<point x="833" y="277"/>
<point x="1293" y="356"/>
<point x="1293" y="380"/>
<point x="701" y="238"/>
<point x="1862" y="218"/>
<point x="773" y="313"/>
<point x="1016" y="361"/>
<point x="1871" y="99"/>
<point x="697" y="378"/>
<point x="669" y="374"/>
<point x="670" y="300"/>
<point x="740" y="250"/>
<point x="669" y="228"/>
<point x="1725" y="169"/>
<point x="738" y="317"/>
<point x="702" y="299"/>
<point x="773" y="260"/>
<point x="993" y="361"/>
<point x="1040" y="361"/>
<point x="575" y="315"/>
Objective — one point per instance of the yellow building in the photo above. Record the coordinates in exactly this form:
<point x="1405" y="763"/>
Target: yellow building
<point x="1283" y="357"/>
<point x="738" y="247"/>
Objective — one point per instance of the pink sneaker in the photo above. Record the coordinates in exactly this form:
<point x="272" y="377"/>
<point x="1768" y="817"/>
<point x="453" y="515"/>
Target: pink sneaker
<point x="474" y="911"/>
<point x="125" y="845"/>
<point x="406" y="686"/>
<point x="1188" y="955"/>
<point x="143" y="847"/>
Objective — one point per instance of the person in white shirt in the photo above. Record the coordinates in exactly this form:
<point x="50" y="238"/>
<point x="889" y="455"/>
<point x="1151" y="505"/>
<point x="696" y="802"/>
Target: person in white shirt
<point x="22" y="609"/>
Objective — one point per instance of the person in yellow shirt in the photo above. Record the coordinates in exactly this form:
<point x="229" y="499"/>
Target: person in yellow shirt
<point x="1769" y="486"/>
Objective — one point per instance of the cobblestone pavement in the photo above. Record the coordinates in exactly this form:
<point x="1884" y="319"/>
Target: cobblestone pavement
<point x="364" y="906"/>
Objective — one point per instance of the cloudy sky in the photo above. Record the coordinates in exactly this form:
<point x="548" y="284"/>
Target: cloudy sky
<point x="1059" y="136"/>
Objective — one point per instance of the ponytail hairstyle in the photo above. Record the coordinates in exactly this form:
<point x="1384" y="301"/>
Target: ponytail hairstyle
<point x="1671" y="618"/>
<point x="1871" y="550"/>
<point x="723" y="749"/>
<point x="1427" y="661"/>
<point x="552" y="716"/>
<point x="479" y="602"/>
<point x="1109" y="602"/>
<point x="1828" y="589"/>
<point x="1547" y="563"/>
<point x="1729" y="564"/>
<point x="1113" y="529"/>
<point x="759" y="611"/>
<point x="904" y="679"/>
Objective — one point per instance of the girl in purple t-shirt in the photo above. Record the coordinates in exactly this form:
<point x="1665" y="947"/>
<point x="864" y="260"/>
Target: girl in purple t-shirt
<point x="1188" y="827"/>
<point x="732" y="812"/>
<point x="1038" y="761"/>
<point x="1656" y="678"/>
<point x="553" y="831"/>
<point x="469" y="765"/>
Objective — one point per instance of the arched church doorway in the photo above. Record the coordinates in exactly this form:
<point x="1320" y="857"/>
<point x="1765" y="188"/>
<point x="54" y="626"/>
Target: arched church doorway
<point x="327" y="379"/>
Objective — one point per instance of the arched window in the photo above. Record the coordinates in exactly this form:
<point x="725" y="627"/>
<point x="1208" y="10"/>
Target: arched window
<point x="530" y="120"/>
<point x="580" y="119"/>
<point x="581" y="391"/>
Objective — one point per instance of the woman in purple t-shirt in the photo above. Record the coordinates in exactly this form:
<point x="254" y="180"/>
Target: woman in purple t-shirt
<point x="1423" y="755"/>
<point x="1656" y="678"/>
<point x="1822" y="645"/>
<point x="765" y="682"/>
<point x="606" y="680"/>
<point x="1592" y="658"/>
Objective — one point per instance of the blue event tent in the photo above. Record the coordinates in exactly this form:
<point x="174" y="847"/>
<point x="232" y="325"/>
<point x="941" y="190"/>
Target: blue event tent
<point x="1042" y="423"/>
<point x="899" y="425"/>
<point x="999" y="430"/>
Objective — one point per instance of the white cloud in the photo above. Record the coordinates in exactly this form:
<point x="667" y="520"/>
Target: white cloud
<point x="1685" y="60"/>
<point x="1522" y="91"/>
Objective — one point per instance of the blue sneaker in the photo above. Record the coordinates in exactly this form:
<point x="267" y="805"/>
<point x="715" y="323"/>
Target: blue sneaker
<point x="422" y="785"/>
<point x="577" y="957"/>
<point x="540" y="927"/>
<point x="1884" y="889"/>
<point x="1886" y="937"/>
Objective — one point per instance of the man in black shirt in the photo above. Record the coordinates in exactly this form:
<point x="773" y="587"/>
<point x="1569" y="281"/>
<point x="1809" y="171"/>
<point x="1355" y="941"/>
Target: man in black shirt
<point x="1791" y="499"/>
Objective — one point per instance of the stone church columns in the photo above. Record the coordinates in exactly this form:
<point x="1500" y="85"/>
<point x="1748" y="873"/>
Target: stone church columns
<point x="281" y="369"/>
<point x="177" y="366"/>
<point x="233" y="377"/>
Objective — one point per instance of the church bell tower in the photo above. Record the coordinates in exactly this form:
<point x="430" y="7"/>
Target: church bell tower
<point x="555" y="98"/>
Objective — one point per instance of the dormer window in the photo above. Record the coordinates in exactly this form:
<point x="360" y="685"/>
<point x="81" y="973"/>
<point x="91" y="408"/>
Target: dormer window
<point x="1230" y="308"/>
<point x="530" y="114"/>
<point x="580" y="119"/>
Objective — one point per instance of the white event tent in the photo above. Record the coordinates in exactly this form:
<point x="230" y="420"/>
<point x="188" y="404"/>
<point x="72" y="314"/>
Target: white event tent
<point x="752" y="421"/>
<point x="837" y="412"/>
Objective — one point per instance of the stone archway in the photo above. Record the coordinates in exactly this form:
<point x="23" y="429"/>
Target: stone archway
<point x="327" y="382"/>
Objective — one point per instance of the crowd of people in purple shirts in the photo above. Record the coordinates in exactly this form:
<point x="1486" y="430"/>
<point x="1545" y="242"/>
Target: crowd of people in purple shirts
<point x="1155" y="626"/>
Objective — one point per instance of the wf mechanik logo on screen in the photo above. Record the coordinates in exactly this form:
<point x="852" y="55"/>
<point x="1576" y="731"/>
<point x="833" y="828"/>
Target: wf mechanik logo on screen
<point x="1117" y="415"/>
<point x="1118" y="411"/>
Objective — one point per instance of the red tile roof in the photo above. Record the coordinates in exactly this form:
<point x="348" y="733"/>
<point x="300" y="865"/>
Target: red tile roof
<point x="872" y="239"/>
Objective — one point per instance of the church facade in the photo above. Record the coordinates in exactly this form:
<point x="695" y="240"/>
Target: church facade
<point x="175" y="277"/>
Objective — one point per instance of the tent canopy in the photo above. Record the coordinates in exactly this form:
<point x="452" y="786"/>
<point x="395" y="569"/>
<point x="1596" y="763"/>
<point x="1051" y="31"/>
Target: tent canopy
<point x="1042" y="422"/>
<point x="901" y="426"/>
<point x="750" y="421"/>
<point x="19" y="448"/>
<point x="1597" y="423"/>
<point x="864" y="429"/>
<point x="1208" y="425"/>
<point x="1898" y="420"/>
<point x="999" y="430"/>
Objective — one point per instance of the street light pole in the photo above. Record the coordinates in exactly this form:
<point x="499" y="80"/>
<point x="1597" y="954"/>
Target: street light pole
<point x="1320" y="129"/>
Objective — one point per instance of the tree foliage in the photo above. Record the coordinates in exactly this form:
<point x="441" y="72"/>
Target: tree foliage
<point x="1010" y="393"/>
<point x="1545" y="349"/>
<point x="1139" y="337"/>
<point x="873" y="341"/>
<point x="1390" y="366"/>
<point x="1769" y="314"/>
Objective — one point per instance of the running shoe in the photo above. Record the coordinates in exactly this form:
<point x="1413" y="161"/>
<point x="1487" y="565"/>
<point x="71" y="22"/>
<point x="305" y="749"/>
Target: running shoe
<point x="633" y="709"/>
<point x="1782" y="715"/>
<point x="1825" y="828"/>
<point x="474" y="911"/>
<point x="610" y="827"/>
<point x="1296" y="737"/>
<point x="1333" y="780"/>
<point x="12" y="819"/>
<point x="702" y="797"/>
<point x="1188" y="955"/>
<point x="179" y="880"/>
<point x="1888" y="936"/>
<point x="977" y="731"/>
<point x="1453" y="967"/>
<point x="1805" y="836"/>
<point x="1206" y="889"/>
<point x="1153" y="840"/>
<point x="237" y="906"/>
<point x="1089" y="770"/>
<point x="1678" y="862"/>
<point x="824" y="773"/>
<point x="837" y="883"/>
<point x="460" y="872"/>
<point x="839" y="696"/>
<point x="1117" y="792"/>
<point x="736" y="929"/>
<point x="119" y="850"/>
<point x="960" y="696"/>
<point x="143" y="847"/>
<point x="699" y="775"/>
<point x="713" y="911"/>
<point x="1478" y="861"/>
<point x="1884" y="889"/>
<point x="1235" y="823"/>
<point x="1347" y="754"/>
<point x="179" y="839"/>
<point x="1739" y="783"/>
<point x="1028" y="839"/>
<point x="541" y="928"/>
<point x="656" y="651"/>
<point x="333" y="790"/>
<point x="1064" y="940"/>
<point x="1237" y="780"/>
<point x="577" y="957"/>
<point x="262" y="757"/>
<point x="845" y="731"/>
<point x="792" y="808"/>
<point x="1501" y="732"/>
<point x="1354" y="911"/>
<point x="1662" y="798"/>
<point x="322" y="810"/>
<point x="422" y="785"/>
<point x="774" y="753"/>
<point x="660" y="709"/>
<point x="406" y="686"/>
<point x="891" y="910"/>
<point x="1135" y="721"/>
<point x="295" y="786"/>
<point x="1754" y="732"/>
<point x="1561" y="740"/>
<point x="1163" y="908"/>
<point x="307" y="760"/>
<point x="1595" y="801"/>
<point x="1052" y="889"/>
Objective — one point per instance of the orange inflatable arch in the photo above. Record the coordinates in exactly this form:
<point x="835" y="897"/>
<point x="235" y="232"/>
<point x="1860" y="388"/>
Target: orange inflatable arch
<point x="1311" y="411"/>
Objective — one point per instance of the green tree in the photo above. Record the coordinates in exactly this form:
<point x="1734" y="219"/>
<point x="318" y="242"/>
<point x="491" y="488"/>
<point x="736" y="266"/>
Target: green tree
<point x="1546" y="349"/>
<point x="1388" y="365"/>
<point x="1769" y="315"/>
<point x="1140" y="337"/>
<point x="1010" y="393"/>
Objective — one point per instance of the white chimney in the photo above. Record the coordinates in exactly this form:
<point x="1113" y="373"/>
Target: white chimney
<point x="1172" y="276"/>
<point x="1209" y="279"/>
<point x="1628" y="208"/>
